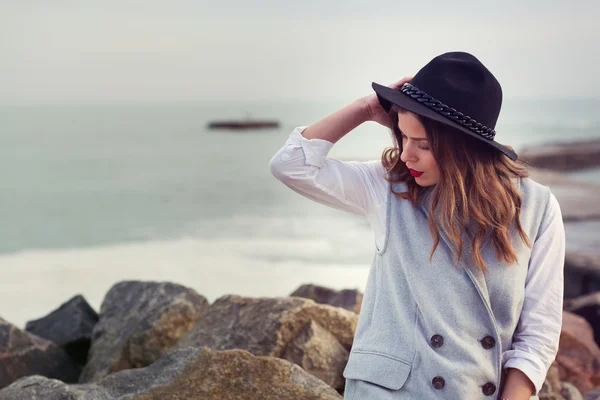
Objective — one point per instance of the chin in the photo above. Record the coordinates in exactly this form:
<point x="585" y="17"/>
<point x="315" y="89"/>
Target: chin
<point x="423" y="183"/>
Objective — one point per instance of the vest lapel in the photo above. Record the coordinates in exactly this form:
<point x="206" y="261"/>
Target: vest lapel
<point x="475" y="274"/>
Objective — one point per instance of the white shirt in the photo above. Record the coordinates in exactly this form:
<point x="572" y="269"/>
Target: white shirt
<point x="360" y="188"/>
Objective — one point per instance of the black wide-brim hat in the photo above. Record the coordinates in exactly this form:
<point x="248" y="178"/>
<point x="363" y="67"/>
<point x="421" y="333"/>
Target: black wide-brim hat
<point x="455" y="89"/>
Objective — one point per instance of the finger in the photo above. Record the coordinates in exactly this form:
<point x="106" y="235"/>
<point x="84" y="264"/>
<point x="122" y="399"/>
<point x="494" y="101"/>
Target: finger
<point x="401" y="82"/>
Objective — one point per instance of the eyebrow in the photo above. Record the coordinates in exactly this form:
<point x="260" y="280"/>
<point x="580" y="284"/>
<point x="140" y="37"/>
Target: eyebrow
<point x="415" y="139"/>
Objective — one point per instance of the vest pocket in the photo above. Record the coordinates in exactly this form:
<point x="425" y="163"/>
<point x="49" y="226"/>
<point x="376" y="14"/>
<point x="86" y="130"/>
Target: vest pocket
<point x="380" y="369"/>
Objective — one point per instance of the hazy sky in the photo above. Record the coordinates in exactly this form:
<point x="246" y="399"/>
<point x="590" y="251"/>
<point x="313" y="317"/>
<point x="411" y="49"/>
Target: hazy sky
<point x="203" y="51"/>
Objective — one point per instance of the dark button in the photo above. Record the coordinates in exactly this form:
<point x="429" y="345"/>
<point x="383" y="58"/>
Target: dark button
<point x="488" y="342"/>
<point x="437" y="340"/>
<point x="438" y="382"/>
<point x="489" y="389"/>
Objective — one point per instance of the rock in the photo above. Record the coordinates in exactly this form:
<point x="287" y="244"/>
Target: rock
<point x="23" y="354"/>
<point x="69" y="326"/>
<point x="588" y="307"/>
<point x="139" y="322"/>
<point x="350" y="299"/>
<point x="570" y="392"/>
<point x="191" y="374"/>
<point x="592" y="394"/>
<point x="578" y="355"/>
<point x="38" y="387"/>
<point x="578" y="199"/>
<point x="551" y="388"/>
<point x="582" y="273"/>
<point x="581" y="212"/>
<point x="318" y="352"/>
<point x="237" y="374"/>
<point x="564" y="156"/>
<point x="317" y="336"/>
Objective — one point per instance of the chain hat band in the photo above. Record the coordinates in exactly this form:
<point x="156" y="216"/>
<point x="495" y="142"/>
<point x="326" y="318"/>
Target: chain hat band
<point x="448" y="111"/>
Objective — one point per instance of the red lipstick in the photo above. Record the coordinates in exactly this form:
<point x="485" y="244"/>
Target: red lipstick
<point x="415" y="173"/>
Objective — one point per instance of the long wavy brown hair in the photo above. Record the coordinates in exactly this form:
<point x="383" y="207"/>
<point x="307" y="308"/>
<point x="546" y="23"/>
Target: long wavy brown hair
<point x="475" y="187"/>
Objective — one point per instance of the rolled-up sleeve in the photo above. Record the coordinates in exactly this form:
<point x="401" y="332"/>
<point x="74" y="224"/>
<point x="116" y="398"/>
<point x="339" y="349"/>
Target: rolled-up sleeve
<point x="302" y="165"/>
<point x="536" y="339"/>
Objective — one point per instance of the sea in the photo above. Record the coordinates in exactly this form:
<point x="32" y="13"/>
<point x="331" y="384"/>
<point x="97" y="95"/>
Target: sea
<point x="97" y="194"/>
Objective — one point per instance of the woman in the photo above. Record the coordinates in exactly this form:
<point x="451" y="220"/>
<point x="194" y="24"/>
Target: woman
<point x="464" y="297"/>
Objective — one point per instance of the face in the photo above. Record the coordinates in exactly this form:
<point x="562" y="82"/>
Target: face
<point x="416" y="151"/>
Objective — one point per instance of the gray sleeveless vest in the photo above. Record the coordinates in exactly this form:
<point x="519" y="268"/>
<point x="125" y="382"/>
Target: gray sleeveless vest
<point x="437" y="330"/>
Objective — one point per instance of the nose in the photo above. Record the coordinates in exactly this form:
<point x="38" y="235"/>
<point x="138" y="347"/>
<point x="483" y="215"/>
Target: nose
<point x="407" y="153"/>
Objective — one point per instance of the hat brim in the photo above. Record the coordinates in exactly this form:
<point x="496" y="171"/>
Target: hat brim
<point x="388" y="96"/>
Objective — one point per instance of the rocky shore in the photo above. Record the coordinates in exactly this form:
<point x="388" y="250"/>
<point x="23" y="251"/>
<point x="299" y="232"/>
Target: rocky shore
<point x="564" y="156"/>
<point x="156" y="340"/>
<point x="579" y="205"/>
<point x="159" y="340"/>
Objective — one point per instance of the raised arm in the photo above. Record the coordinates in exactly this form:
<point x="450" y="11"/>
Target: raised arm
<point x="333" y="127"/>
<point x="302" y="163"/>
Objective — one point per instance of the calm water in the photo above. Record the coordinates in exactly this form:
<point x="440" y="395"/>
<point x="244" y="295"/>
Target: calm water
<point x="96" y="194"/>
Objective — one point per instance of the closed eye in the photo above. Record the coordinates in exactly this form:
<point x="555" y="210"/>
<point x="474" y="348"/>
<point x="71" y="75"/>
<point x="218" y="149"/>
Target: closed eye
<point x="420" y="146"/>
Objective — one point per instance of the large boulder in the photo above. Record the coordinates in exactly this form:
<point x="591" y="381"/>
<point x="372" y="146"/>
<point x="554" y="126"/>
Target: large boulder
<point x="191" y="374"/>
<point x="350" y="299"/>
<point x="69" y="326"/>
<point x="578" y="355"/>
<point x="317" y="337"/>
<point x="139" y="322"/>
<point x="588" y="307"/>
<point x="582" y="268"/>
<point x="23" y="354"/>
